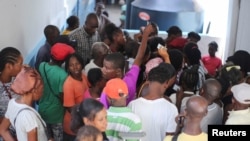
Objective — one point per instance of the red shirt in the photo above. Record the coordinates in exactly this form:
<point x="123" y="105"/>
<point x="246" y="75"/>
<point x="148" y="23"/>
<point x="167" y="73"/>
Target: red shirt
<point x="211" y="64"/>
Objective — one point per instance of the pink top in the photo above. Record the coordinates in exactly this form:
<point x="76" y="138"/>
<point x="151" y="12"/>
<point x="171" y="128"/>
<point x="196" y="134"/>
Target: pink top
<point x="87" y="95"/>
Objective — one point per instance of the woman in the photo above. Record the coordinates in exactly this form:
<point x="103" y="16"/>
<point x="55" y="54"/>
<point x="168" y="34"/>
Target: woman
<point x="90" y="112"/>
<point x="73" y="23"/>
<point x="97" y="83"/>
<point x="74" y="86"/>
<point x="20" y="114"/>
<point x="10" y="65"/>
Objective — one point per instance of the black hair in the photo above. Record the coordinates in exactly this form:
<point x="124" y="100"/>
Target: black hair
<point x="190" y="77"/>
<point x="214" y="45"/>
<point x="162" y="73"/>
<point x="229" y="77"/>
<point x="232" y="75"/>
<point x="192" y="53"/>
<point x="105" y="13"/>
<point x="49" y="30"/>
<point x="94" y="76"/>
<point x="110" y="30"/>
<point x="154" y="41"/>
<point x="176" y="58"/>
<point x="78" y="58"/>
<point x="174" y="30"/>
<point x="155" y="28"/>
<point x="90" y="16"/>
<point x="88" y="108"/>
<point x="131" y="48"/>
<point x="72" y="21"/>
<point x="241" y="58"/>
<point x="117" y="59"/>
<point x="66" y="40"/>
<point x="88" y="133"/>
<point x="8" y="55"/>
<point x="194" y="35"/>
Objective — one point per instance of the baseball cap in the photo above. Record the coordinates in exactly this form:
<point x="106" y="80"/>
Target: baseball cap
<point x="241" y="93"/>
<point x="116" y="88"/>
<point x="60" y="51"/>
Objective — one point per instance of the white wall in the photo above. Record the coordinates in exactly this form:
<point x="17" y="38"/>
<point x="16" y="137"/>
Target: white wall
<point x="242" y="39"/>
<point x="202" y="44"/>
<point x="23" y="21"/>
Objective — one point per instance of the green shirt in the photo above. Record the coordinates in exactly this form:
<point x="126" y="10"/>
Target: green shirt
<point x="50" y="105"/>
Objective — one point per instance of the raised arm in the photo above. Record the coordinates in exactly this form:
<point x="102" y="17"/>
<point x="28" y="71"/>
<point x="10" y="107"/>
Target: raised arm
<point x="143" y="46"/>
<point x="162" y="51"/>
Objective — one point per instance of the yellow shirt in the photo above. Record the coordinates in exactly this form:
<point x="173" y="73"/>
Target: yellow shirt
<point x="66" y="32"/>
<point x="186" y="137"/>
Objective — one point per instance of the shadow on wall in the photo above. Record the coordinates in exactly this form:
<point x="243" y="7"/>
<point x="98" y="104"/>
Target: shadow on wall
<point x="84" y="7"/>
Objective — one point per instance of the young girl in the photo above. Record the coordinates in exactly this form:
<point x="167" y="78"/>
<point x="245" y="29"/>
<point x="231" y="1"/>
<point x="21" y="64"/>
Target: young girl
<point x="89" y="112"/>
<point x="20" y="114"/>
<point x="74" y="86"/>
<point x="97" y="83"/>
<point x="10" y="65"/>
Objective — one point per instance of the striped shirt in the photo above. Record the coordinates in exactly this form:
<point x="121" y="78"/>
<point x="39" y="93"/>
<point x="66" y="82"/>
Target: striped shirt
<point x="121" y="119"/>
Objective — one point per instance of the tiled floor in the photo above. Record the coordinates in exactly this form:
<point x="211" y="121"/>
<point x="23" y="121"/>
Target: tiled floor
<point x="114" y="11"/>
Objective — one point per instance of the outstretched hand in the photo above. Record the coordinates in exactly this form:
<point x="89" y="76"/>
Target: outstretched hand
<point x="162" y="51"/>
<point x="148" y="30"/>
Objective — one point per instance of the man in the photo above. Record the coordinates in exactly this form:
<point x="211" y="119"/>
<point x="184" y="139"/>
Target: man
<point x="51" y="32"/>
<point x="173" y="32"/>
<point x="193" y="37"/>
<point x="50" y="105"/>
<point x="157" y="113"/>
<point x="240" y="115"/>
<point x="211" y="62"/>
<point x="190" y="121"/>
<point x="103" y="20"/>
<point x="211" y="91"/>
<point x="120" y="117"/>
<point x="86" y="36"/>
<point x="114" y="66"/>
<point x="99" y="50"/>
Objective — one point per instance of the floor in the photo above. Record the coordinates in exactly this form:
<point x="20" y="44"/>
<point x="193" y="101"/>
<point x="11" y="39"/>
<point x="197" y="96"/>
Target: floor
<point x="114" y="11"/>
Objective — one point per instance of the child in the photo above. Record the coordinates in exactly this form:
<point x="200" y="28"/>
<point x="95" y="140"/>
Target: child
<point x="88" y="133"/>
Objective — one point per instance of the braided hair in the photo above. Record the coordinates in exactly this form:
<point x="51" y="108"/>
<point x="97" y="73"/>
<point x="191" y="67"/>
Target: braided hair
<point x="190" y="77"/>
<point x="8" y="55"/>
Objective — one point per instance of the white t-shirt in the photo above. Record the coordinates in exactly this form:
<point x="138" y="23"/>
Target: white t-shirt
<point x="184" y="100"/>
<point x="26" y="120"/>
<point x="89" y="66"/>
<point x="158" y="117"/>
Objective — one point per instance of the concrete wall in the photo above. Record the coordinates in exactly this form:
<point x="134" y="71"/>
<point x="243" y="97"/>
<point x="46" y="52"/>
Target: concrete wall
<point x="23" y="21"/>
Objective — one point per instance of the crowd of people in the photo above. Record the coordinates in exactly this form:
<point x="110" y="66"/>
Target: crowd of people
<point x="94" y="82"/>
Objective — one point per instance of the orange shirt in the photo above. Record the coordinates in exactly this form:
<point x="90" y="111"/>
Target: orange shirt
<point x="73" y="91"/>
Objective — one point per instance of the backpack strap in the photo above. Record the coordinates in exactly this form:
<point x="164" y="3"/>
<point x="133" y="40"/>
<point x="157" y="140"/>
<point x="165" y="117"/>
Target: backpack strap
<point x="44" y="126"/>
